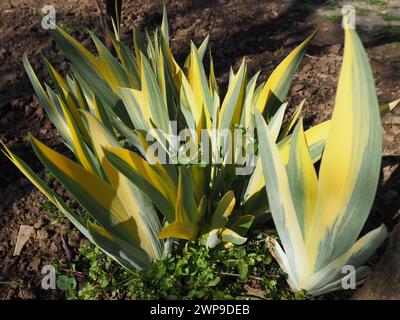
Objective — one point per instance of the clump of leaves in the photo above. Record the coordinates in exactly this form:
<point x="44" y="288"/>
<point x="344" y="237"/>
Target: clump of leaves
<point x="68" y="285"/>
<point x="75" y="27"/>
<point x="333" y="17"/>
<point x="375" y="2"/>
<point x="52" y="213"/>
<point x="190" y="271"/>
<point x="388" y="32"/>
<point x="390" y="17"/>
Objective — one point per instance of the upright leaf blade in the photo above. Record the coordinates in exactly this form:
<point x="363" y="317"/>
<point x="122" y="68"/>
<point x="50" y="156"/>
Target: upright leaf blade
<point x="279" y="82"/>
<point x="302" y="179"/>
<point x="349" y="171"/>
<point x="280" y="200"/>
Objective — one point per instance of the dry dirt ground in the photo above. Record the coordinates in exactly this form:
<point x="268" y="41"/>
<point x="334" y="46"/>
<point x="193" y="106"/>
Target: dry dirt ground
<point x="262" y="31"/>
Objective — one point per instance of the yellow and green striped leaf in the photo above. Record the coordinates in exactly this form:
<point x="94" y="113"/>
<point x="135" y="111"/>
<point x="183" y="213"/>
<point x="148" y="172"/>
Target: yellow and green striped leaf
<point x="125" y="253"/>
<point x="349" y="171"/>
<point x="302" y="179"/>
<point x="280" y="201"/>
<point x="223" y="211"/>
<point x="93" y="194"/>
<point x="278" y="83"/>
<point x="186" y="217"/>
<point x="153" y="180"/>
<point x="136" y="204"/>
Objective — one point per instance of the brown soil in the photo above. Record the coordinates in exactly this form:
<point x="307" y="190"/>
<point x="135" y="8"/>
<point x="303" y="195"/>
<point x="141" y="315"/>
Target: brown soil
<point x="262" y="31"/>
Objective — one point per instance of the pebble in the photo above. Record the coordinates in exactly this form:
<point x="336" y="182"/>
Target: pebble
<point x="26" y="294"/>
<point x="34" y="264"/>
<point x="388" y="138"/>
<point x="395" y="120"/>
<point x="335" y="49"/>
<point x="42" y="234"/>
<point x="307" y="67"/>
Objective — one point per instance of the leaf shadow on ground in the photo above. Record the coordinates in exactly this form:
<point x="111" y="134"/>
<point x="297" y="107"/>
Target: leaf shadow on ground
<point x="386" y="207"/>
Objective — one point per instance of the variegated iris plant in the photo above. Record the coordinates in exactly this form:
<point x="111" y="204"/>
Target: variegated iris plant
<point x="108" y="106"/>
<point x="136" y="205"/>
<point x="319" y="219"/>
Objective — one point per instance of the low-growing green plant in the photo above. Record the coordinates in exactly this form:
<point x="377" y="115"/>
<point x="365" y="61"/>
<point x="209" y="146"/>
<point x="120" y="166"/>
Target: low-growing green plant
<point x="74" y="27"/>
<point x="375" y="2"/>
<point x="68" y="285"/>
<point x="395" y="44"/>
<point x="362" y="11"/>
<point x="190" y="271"/>
<point x="390" y="17"/>
<point x="49" y="178"/>
<point x="333" y="17"/>
<point x="391" y="33"/>
<point x="52" y="213"/>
